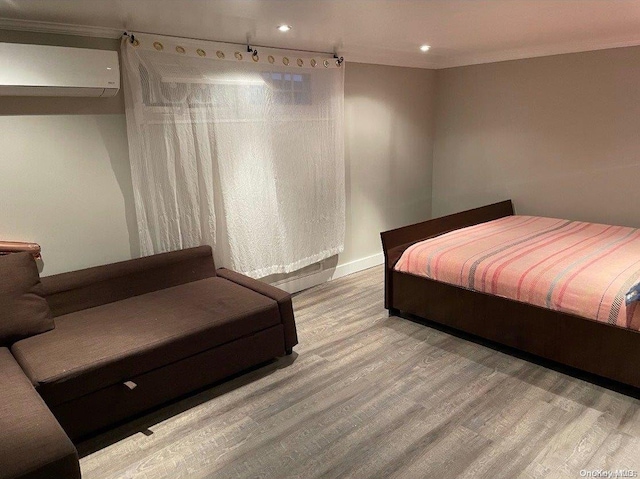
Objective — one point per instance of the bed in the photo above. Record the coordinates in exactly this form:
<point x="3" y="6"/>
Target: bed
<point x="553" y="288"/>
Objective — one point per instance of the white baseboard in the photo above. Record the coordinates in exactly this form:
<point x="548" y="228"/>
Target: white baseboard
<point x="358" y="265"/>
<point x="298" y="284"/>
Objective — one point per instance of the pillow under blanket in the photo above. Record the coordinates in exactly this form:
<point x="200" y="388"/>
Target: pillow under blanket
<point x="24" y="311"/>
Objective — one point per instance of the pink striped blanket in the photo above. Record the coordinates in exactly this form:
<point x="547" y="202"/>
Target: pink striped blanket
<point x="580" y="268"/>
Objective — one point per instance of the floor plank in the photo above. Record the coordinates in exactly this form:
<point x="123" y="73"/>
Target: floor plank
<point x="366" y="396"/>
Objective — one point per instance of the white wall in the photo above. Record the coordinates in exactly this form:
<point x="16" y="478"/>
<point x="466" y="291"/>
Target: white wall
<point x="389" y="117"/>
<point x="65" y="181"/>
<point x="58" y="188"/>
<point x="65" y="178"/>
<point x="559" y="135"/>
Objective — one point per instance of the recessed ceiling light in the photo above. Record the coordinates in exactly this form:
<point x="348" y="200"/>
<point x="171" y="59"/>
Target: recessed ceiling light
<point x="425" y="48"/>
<point x="284" y="28"/>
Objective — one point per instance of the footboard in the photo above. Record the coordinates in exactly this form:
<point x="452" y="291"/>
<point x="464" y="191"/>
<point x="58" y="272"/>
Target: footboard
<point x="394" y="242"/>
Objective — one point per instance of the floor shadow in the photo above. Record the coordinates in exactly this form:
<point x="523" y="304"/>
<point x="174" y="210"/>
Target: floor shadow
<point x="142" y="423"/>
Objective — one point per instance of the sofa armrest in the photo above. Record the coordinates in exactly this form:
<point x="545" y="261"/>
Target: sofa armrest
<point x="282" y="297"/>
<point x="32" y="443"/>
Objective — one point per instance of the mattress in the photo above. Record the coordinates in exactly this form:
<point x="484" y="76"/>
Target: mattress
<point x="579" y="268"/>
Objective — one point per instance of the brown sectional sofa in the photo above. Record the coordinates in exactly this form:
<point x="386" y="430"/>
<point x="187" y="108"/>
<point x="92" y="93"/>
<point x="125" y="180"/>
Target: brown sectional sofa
<point x="132" y="335"/>
<point x="32" y="443"/>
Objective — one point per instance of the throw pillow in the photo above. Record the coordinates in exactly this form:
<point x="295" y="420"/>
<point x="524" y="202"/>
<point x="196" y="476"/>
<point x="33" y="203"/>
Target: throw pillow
<point x="24" y="310"/>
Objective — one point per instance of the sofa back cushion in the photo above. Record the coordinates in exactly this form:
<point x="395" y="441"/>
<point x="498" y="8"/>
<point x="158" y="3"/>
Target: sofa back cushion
<point x="24" y="311"/>
<point x="78" y="290"/>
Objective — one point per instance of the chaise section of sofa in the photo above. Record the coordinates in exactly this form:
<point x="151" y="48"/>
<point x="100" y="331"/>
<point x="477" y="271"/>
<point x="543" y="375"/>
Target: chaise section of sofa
<point x="133" y="335"/>
<point x="32" y="443"/>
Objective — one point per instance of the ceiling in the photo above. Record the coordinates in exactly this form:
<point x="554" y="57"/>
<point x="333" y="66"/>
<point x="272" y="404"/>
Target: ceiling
<point x="460" y="32"/>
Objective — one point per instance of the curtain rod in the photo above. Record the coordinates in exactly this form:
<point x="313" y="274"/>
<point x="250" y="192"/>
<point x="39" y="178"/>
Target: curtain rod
<point x="248" y="45"/>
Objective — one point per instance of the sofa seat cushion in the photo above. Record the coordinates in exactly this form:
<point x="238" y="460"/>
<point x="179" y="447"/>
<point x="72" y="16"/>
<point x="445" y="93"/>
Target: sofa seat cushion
<point x="32" y="443"/>
<point x="102" y="346"/>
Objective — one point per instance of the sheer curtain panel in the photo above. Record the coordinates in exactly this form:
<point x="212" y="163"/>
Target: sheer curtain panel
<point x="241" y="151"/>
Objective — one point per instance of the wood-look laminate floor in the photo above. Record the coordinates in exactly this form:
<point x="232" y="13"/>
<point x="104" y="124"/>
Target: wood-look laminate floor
<point x="371" y="396"/>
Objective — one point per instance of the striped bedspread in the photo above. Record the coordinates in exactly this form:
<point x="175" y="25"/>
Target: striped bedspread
<point x="580" y="268"/>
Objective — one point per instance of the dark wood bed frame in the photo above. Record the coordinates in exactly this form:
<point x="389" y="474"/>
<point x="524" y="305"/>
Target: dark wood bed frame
<point x="605" y="350"/>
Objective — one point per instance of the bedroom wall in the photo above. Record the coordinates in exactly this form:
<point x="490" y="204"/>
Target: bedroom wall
<point x="558" y="135"/>
<point x="66" y="181"/>
<point x="389" y="117"/>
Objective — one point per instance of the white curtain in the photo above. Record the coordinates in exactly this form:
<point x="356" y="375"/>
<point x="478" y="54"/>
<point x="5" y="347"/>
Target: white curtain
<point x="243" y="152"/>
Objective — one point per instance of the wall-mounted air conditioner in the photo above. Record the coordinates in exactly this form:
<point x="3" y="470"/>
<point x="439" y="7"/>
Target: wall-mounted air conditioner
<point x="39" y="70"/>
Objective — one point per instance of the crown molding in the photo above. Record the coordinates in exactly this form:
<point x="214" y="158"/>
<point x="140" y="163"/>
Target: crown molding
<point x="533" y="52"/>
<point x="59" y="28"/>
<point x="407" y="60"/>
